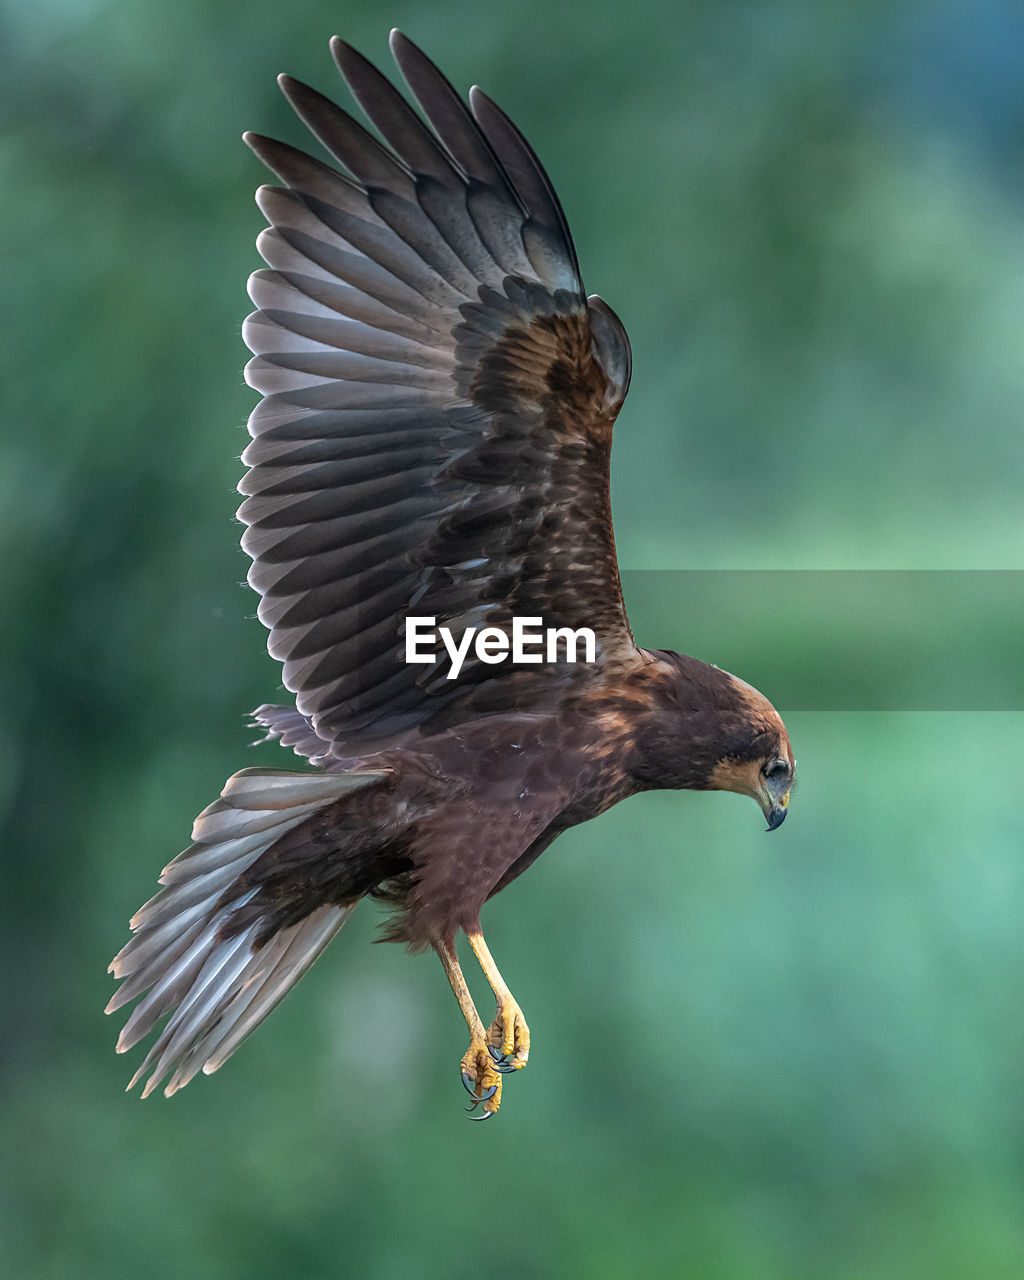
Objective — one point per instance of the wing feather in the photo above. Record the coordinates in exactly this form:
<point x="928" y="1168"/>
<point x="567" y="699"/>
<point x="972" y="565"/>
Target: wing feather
<point x="439" y="398"/>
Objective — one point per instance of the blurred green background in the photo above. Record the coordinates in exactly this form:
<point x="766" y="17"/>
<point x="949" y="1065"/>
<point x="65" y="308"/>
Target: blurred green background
<point x="796" y="1057"/>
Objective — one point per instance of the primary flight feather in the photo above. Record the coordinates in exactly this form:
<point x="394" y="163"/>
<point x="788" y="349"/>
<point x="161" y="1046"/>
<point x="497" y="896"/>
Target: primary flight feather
<point x="433" y="442"/>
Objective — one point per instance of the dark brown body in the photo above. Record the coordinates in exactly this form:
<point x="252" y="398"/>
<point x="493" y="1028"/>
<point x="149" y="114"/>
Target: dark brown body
<point x="462" y="813"/>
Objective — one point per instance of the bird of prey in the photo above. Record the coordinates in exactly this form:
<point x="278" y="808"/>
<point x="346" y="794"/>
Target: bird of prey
<point x="433" y="441"/>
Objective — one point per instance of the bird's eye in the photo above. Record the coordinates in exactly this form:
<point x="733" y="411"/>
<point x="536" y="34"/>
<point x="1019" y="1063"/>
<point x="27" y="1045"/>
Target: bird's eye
<point x="777" y="769"/>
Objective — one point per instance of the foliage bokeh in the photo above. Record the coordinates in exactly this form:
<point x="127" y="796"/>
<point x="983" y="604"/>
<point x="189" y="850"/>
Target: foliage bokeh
<point x="753" y="1059"/>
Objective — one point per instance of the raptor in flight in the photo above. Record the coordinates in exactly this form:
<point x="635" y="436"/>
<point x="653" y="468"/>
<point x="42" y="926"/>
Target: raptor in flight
<point x="433" y="441"/>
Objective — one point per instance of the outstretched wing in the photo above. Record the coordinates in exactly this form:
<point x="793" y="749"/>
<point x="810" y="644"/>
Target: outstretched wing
<point x="439" y="394"/>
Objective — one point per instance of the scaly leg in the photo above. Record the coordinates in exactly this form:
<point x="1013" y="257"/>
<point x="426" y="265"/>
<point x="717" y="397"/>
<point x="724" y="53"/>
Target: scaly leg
<point x="480" y="1073"/>
<point x="508" y="1037"/>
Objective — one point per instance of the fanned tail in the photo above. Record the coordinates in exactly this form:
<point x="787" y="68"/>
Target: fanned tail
<point x="217" y="981"/>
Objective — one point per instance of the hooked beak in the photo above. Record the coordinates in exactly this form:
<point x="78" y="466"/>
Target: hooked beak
<point x="776" y="817"/>
<point x="774" y="808"/>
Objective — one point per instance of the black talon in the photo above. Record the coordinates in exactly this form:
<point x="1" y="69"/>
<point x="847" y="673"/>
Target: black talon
<point x="503" y="1062"/>
<point x="476" y="1102"/>
<point x="484" y="1115"/>
<point x="469" y="1084"/>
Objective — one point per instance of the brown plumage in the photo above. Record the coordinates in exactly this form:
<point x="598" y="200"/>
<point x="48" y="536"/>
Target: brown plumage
<point x="433" y="441"/>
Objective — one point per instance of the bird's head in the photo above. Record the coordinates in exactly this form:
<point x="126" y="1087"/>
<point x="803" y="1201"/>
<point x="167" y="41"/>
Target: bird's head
<point x="712" y="731"/>
<point x="756" y="758"/>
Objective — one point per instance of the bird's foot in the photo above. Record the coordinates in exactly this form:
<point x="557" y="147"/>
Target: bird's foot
<point x="508" y="1038"/>
<point x="481" y="1079"/>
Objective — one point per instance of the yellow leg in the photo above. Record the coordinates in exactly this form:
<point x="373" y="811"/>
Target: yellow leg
<point x="508" y="1035"/>
<point x="480" y="1074"/>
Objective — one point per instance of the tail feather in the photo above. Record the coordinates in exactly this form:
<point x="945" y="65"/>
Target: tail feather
<point x="217" y="974"/>
<point x="217" y="982"/>
<point x="297" y="948"/>
<point x="155" y="946"/>
<point x="169" y="944"/>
